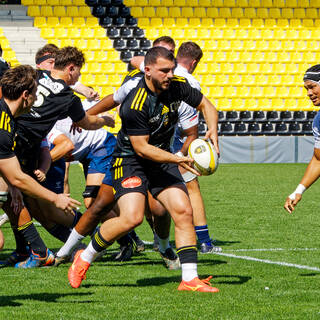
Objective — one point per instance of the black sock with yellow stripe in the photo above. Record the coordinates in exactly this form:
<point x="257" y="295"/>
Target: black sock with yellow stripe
<point x="98" y="243"/>
<point x="188" y="254"/>
<point x="32" y="237"/>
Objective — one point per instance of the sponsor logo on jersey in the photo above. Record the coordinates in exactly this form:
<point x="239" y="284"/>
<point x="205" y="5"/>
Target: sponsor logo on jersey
<point x="131" y="182"/>
<point x="5" y="122"/>
<point x="165" y="110"/>
<point x="154" y="119"/>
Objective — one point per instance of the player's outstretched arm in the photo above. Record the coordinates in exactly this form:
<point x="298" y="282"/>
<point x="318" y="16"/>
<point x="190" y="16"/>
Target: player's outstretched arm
<point x="62" y="146"/>
<point x="311" y="175"/>
<point x="94" y="122"/>
<point x="11" y="171"/>
<point x="147" y="151"/>
<point x="211" y="116"/>
<point x="88" y="92"/>
<point x="106" y="104"/>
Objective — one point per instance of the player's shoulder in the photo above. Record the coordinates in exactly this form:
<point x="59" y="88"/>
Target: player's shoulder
<point x="136" y="73"/>
<point x="137" y="96"/>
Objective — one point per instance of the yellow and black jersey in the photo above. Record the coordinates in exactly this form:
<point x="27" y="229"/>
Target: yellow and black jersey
<point x="7" y="131"/>
<point x="136" y="73"/>
<point x="145" y="113"/>
<point x="55" y="101"/>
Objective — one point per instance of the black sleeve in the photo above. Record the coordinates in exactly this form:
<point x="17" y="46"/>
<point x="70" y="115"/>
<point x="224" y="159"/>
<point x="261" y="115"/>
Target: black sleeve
<point x="76" y="111"/>
<point x="188" y="94"/>
<point x="134" y="122"/>
<point x="6" y="145"/>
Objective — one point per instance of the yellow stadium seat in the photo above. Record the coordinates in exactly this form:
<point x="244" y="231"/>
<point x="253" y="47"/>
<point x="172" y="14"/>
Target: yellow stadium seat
<point x="232" y="23"/>
<point x="250" y="13"/>
<point x="279" y="3"/>
<point x="249" y="45"/>
<point x="210" y="45"/>
<point x="60" y="33"/>
<point x="270" y="56"/>
<point x="223" y="45"/>
<point x="73" y="33"/>
<point x="99" y="33"/>
<point x="46" y="11"/>
<point x="77" y="21"/>
<point x="291" y="68"/>
<point x="315" y="3"/>
<point x="288" y="45"/>
<point x="237" y="13"/>
<point x="114" y="80"/>
<point x="193" y="22"/>
<point x="40" y="2"/>
<point x="89" y="57"/>
<point x="253" y="34"/>
<point x="155" y="22"/>
<point x="203" y="33"/>
<point x="167" y="3"/>
<point x="215" y="92"/>
<point x="252" y="68"/>
<point x="213" y="68"/>
<point x="275" y="13"/>
<point x="266" y="34"/>
<point x="308" y="23"/>
<point x="247" y="79"/>
<point x="120" y="67"/>
<point x="84" y="11"/>
<point x="282" y="23"/>
<point x="237" y="104"/>
<point x="296" y="92"/>
<point x="183" y="23"/>
<point x="268" y="92"/>
<point x="290" y="104"/>
<point x="46" y="33"/>
<point x="242" y="3"/>
<point x="225" y="12"/>
<point x="254" y="3"/>
<point x="72" y="11"/>
<point x="53" y="22"/>
<point x="233" y="56"/>
<point x="241" y="34"/>
<point x="282" y="92"/>
<point x="287" y="13"/>
<point x="274" y="80"/>
<point x="202" y="68"/>
<point x="229" y="92"/>
<point x="303" y="104"/>
<point x="162" y="12"/>
<point x="86" y="33"/>
<point x="274" y="45"/>
<point x="93" y="44"/>
<point x="174" y="12"/>
<point x="287" y="79"/>
<point x="257" y="56"/>
<point x="255" y="92"/>
<point x="140" y="3"/>
<point x="291" y="3"/>
<point x="277" y="104"/>
<point x="227" y="68"/>
<point x="312" y="13"/>
<point x="295" y="23"/>
<point x="300" y="45"/>
<point x="266" y="3"/>
<point x="138" y="13"/>
<point x="245" y="56"/>
<point x="214" y="3"/>
<point x="208" y="79"/>
<point x="257" y="23"/>
<point x="216" y="34"/>
<point x="270" y="23"/>
<point x="94" y="67"/>
<point x="80" y="44"/>
<point x="27" y="2"/>
<point x="101" y="80"/>
<point x="245" y="23"/>
<point x="59" y="11"/>
<point x="223" y="104"/>
<point x="77" y="2"/>
<point x="112" y="55"/>
<point x="178" y="33"/>
<point x="283" y="56"/>
<point x="218" y="22"/>
<point x="278" y="68"/>
<point x="304" y="34"/>
<point x="229" y="3"/>
<point x="243" y="92"/>
<point x="53" y="2"/>
<point x="262" y="13"/>
<point x="279" y="34"/>
<point x="40" y="22"/>
<point x="195" y="3"/>
<point x="187" y="12"/>
<point x="66" y="43"/>
<point x="101" y="56"/>
<point x="145" y="22"/>
<point x="92" y="22"/>
<point x="299" y="13"/>
<point x="200" y="12"/>
<point x="296" y="57"/>
<point x="240" y="67"/>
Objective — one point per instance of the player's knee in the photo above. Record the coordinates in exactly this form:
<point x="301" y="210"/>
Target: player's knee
<point x="184" y="213"/>
<point x="132" y="221"/>
<point x="1" y="240"/>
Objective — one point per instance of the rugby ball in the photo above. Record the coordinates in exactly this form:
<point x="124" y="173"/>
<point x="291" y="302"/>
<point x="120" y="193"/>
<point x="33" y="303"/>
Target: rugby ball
<point x="205" y="157"/>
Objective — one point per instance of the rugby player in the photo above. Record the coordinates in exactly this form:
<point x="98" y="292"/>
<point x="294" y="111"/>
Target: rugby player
<point x="142" y="160"/>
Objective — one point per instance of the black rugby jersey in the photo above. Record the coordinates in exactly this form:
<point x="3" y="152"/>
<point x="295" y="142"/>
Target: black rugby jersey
<point x="136" y="73"/>
<point x="145" y="113"/>
<point x="55" y="100"/>
<point x="7" y="131"/>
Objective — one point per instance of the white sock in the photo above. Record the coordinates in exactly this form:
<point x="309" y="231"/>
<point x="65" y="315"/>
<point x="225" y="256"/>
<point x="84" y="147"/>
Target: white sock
<point x="72" y="241"/>
<point x="189" y="271"/>
<point x="163" y="243"/>
<point x="89" y="254"/>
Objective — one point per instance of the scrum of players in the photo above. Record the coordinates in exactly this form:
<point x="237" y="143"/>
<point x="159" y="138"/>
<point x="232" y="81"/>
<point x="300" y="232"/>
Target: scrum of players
<point x="44" y="126"/>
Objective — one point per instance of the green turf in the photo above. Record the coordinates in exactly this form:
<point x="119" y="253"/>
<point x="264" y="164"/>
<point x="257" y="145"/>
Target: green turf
<point x="245" y="211"/>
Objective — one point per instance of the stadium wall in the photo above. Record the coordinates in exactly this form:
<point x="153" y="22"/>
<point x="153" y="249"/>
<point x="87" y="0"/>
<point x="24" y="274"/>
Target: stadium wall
<point x="266" y="149"/>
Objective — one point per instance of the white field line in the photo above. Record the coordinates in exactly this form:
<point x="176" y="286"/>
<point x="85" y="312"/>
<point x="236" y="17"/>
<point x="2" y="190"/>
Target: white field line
<point x="274" y="249"/>
<point x="279" y="263"/>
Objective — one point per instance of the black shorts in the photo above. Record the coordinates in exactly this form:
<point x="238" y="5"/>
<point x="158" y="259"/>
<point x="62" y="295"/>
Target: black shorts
<point x="133" y="174"/>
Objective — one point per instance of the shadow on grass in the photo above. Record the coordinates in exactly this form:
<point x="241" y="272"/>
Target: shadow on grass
<point x="240" y="279"/>
<point x="309" y="274"/>
<point x="11" y="301"/>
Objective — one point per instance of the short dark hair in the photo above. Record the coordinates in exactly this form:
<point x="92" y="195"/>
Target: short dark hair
<point x="190" y="50"/>
<point x="68" y="55"/>
<point x="156" y="52"/>
<point x="0" y="51"/>
<point x="49" y="50"/>
<point x="165" y="39"/>
<point x="16" y="80"/>
<point x="312" y="73"/>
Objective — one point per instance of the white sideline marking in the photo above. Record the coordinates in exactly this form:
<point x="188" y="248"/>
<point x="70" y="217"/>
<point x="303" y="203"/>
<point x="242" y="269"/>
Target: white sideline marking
<point x="275" y="249"/>
<point x="279" y="263"/>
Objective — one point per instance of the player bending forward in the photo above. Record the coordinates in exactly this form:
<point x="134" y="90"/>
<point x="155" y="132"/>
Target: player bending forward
<point x="142" y="161"/>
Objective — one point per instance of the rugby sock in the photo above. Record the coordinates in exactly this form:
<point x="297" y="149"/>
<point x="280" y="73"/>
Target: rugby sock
<point x="21" y="244"/>
<point x="96" y="245"/>
<point x="133" y="235"/>
<point x="70" y="244"/>
<point x="203" y="234"/>
<point x="77" y="216"/>
<point x="188" y="259"/>
<point x="60" y="232"/>
<point x="31" y="235"/>
<point x="163" y="243"/>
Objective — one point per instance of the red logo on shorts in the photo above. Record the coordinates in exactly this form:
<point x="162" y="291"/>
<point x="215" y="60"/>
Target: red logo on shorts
<point x="131" y="182"/>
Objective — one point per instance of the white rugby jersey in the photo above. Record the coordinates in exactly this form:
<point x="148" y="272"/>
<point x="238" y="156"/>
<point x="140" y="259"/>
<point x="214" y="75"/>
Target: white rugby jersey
<point x="316" y="130"/>
<point x="83" y="141"/>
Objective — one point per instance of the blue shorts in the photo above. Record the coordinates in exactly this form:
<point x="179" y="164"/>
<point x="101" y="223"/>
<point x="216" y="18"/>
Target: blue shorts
<point x="55" y="176"/>
<point x="176" y="143"/>
<point x="99" y="159"/>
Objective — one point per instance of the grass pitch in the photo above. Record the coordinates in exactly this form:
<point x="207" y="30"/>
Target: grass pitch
<point x="244" y="209"/>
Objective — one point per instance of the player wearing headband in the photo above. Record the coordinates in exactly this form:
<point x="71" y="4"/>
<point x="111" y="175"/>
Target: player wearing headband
<point x="312" y="84"/>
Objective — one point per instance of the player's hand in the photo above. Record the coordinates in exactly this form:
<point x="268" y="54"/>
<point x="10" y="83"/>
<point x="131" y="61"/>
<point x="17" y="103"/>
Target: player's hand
<point x="214" y="140"/>
<point x="17" y="203"/>
<point x="290" y="204"/>
<point x="41" y="176"/>
<point x="109" y="121"/>
<point x="187" y="163"/>
<point x="65" y="203"/>
<point x="74" y="128"/>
